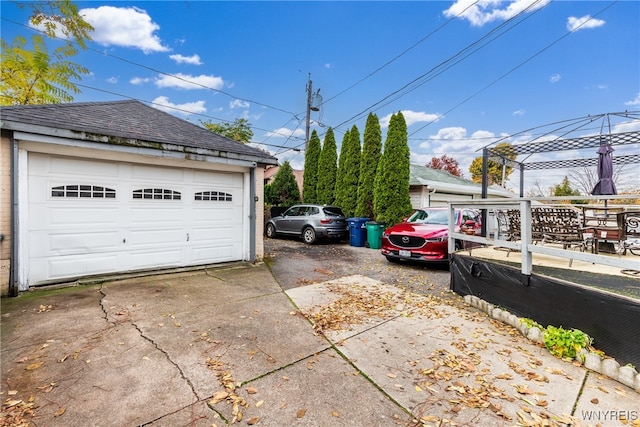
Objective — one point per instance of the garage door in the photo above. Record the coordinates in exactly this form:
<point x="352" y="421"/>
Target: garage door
<point x="91" y="217"/>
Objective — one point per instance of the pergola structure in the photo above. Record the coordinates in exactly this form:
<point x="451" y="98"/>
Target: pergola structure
<point x="505" y="155"/>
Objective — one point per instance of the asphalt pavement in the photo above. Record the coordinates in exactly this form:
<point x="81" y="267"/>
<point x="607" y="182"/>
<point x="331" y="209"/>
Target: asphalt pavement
<point x="297" y="340"/>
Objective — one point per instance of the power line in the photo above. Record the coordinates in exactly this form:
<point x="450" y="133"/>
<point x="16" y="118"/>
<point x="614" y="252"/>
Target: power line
<point x="519" y="65"/>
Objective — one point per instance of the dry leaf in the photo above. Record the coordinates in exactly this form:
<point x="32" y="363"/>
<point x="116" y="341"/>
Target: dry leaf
<point x="219" y="396"/>
<point x="34" y="366"/>
<point x="259" y="403"/>
<point x="60" y="412"/>
<point x="418" y="389"/>
<point x="595" y="401"/>
<point x="301" y="413"/>
<point x="390" y="375"/>
<point x="12" y="392"/>
<point x="335" y="414"/>
<point x="253" y="421"/>
<point x="252" y="390"/>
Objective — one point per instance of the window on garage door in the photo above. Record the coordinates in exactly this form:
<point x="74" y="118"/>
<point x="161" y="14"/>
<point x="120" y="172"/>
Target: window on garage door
<point x="213" y="196"/>
<point x="83" y="191"/>
<point x="156" y="194"/>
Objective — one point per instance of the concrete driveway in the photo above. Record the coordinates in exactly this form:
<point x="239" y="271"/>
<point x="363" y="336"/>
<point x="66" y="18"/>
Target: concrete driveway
<point x="228" y="345"/>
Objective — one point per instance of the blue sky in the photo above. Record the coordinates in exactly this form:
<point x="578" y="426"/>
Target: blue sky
<point x="463" y="73"/>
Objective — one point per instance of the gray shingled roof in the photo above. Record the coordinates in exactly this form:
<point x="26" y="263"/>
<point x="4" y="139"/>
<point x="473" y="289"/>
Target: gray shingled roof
<point x="125" y="120"/>
<point x="438" y="179"/>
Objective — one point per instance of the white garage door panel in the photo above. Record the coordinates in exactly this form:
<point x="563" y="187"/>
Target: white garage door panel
<point x="75" y="265"/>
<point x="72" y="236"/>
<point x="217" y="254"/>
<point x="140" y="239"/>
<point x="82" y="243"/>
<point x="150" y="259"/>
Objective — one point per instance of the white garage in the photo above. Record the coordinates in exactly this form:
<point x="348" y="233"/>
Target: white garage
<point x="104" y="217"/>
<point x="88" y="208"/>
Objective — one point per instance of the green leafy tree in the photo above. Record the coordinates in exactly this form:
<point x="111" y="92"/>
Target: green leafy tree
<point x="391" y="201"/>
<point x="371" y="152"/>
<point x="238" y="130"/>
<point x="495" y="169"/>
<point x="349" y="172"/>
<point x="283" y="191"/>
<point x="565" y="189"/>
<point x="311" y="158"/>
<point x="35" y="75"/>
<point x="327" y="170"/>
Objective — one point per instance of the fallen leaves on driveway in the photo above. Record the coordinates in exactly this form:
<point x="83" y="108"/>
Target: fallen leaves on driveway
<point x="17" y="413"/>
<point x="229" y="393"/>
<point x="355" y="303"/>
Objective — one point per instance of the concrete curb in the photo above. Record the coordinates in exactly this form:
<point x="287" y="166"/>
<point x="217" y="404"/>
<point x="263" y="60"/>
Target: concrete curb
<point x="626" y="375"/>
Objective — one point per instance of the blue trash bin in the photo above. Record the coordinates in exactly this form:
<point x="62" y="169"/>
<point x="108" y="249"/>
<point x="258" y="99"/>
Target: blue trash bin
<point x="357" y="231"/>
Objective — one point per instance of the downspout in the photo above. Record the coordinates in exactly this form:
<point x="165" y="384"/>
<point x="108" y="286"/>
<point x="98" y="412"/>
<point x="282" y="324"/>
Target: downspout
<point x="253" y="199"/>
<point x="13" y="267"/>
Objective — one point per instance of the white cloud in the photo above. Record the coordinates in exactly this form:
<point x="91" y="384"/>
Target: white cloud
<point x="125" y="27"/>
<point x="238" y="103"/>
<point x="162" y="103"/>
<point x="635" y="101"/>
<point x="328" y="66"/>
<point x="411" y="117"/>
<point x="112" y="80"/>
<point x="185" y="81"/>
<point x="519" y="112"/>
<point x="139" y="80"/>
<point x="181" y="59"/>
<point x="482" y="12"/>
<point x="286" y="133"/>
<point x="555" y="78"/>
<point x="583" y="23"/>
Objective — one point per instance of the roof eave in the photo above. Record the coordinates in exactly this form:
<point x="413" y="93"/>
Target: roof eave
<point x="110" y="140"/>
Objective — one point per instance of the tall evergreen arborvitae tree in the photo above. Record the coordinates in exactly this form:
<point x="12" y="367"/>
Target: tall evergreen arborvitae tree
<point x="340" y="172"/>
<point x="371" y="152"/>
<point x="349" y="172"/>
<point x="283" y="191"/>
<point x="391" y="201"/>
<point x="327" y="170"/>
<point x="311" y="158"/>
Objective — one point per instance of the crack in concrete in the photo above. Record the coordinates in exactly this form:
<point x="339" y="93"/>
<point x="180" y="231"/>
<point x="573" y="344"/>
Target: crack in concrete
<point x="150" y="340"/>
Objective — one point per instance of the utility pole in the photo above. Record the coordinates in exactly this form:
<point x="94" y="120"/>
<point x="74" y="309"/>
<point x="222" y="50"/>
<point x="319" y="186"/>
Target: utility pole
<point x="309" y="89"/>
<point x="310" y="108"/>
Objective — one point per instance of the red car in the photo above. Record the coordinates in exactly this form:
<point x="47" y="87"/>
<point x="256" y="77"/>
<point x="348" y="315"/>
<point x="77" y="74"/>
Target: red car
<point x="423" y="237"/>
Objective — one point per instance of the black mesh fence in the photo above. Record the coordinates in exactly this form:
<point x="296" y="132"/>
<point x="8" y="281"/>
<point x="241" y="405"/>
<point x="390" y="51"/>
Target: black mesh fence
<point x="613" y="321"/>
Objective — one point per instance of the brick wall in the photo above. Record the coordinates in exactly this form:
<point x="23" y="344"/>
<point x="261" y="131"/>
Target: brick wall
<point x="5" y="212"/>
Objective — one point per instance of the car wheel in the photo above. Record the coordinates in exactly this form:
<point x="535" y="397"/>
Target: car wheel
<point x="309" y="235"/>
<point x="271" y="231"/>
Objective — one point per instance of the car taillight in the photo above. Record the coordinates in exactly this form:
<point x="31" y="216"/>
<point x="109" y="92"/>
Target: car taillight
<point x="326" y="221"/>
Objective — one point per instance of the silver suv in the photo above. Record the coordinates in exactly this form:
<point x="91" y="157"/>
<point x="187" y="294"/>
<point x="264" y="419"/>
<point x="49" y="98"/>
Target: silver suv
<point x="311" y="222"/>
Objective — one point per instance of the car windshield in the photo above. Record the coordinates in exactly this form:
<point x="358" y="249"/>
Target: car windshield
<point x="430" y="216"/>
<point x="332" y="210"/>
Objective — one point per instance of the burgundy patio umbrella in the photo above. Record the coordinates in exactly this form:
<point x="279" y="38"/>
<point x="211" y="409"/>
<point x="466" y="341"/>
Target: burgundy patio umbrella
<point x="605" y="185"/>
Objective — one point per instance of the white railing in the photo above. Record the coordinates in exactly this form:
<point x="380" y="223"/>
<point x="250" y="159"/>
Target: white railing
<point x="525" y="245"/>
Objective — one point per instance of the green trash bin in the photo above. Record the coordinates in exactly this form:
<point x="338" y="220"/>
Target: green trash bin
<point x="374" y="234"/>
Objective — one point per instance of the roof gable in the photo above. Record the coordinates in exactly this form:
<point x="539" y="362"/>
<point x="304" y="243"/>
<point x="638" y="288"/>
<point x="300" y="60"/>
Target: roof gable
<point x="125" y="120"/>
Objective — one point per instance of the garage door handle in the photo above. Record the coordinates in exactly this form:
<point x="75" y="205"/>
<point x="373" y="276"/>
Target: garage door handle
<point x="124" y="240"/>
<point x="187" y="237"/>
